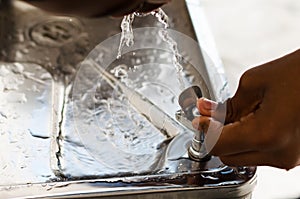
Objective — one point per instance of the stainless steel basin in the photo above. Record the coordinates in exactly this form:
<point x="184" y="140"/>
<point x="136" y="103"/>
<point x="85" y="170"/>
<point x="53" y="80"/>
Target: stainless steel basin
<point x="56" y="138"/>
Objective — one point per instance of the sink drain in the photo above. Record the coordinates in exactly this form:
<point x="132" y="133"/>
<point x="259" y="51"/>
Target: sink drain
<point x="55" y="32"/>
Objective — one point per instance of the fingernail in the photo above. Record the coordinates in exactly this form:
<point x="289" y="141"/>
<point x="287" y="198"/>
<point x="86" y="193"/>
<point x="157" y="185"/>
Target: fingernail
<point x="195" y="123"/>
<point x="207" y="104"/>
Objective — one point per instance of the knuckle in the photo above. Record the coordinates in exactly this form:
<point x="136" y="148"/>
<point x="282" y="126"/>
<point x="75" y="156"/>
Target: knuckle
<point x="248" y="77"/>
<point x="247" y="82"/>
<point x="231" y="112"/>
<point x="245" y="79"/>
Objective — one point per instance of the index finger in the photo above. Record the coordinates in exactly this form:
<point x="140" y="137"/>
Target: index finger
<point x="234" y="138"/>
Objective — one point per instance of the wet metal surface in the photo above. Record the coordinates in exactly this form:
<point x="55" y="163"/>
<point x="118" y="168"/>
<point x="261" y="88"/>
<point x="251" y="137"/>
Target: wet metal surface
<point x="25" y="123"/>
<point x="61" y="137"/>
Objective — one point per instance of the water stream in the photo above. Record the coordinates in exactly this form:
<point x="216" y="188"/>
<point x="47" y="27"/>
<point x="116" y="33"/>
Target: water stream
<point x="127" y="38"/>
<point x="129" y="141"/>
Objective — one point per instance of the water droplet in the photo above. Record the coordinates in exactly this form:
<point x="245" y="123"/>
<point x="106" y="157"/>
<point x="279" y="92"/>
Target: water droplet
<point x="209" y="177"/>
<point x="18" y="55"/>
<point x="34" y="88"/>
<point x="45" y="76"/>
<point x="126" y="34"/>
<point x="161" y="16"/>
<point x="15" y="97"/>
<point x="46" y="175"/>
<point x="25" y="50"/>
<point x="23" y="166"/>
<point x="3" y="115"/>
<point x="120" y="71"/>
<point x="4" y="71"/>
<point x="29" y="184"/>
<point x="39" y="134"/>
<point x="7" y="188"/>
<point x="138" y="61"/>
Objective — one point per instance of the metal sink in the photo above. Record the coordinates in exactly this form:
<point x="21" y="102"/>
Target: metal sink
<point x="55" y="134"/>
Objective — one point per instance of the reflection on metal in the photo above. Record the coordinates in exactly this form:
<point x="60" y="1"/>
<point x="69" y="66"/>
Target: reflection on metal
<point x="188" y="102"/>
<point x="42" y="154"/>
<point x="25" y="123"/>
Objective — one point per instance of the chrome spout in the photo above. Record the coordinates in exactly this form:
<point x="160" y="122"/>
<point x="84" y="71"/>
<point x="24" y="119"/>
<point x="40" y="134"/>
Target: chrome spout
<point x="188" y="103"/>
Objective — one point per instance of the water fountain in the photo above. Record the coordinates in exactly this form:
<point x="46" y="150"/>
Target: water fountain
<point x="77" y="122"/>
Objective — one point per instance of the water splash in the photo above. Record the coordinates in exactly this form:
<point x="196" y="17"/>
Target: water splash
<point x="126" y="34"/>
<point x="176" y="55"/>
<point x="127" y="38"/>
<point x="161" y="17"/>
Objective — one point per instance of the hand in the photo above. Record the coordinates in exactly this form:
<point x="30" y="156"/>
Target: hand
<point x="262" y="119"/>
<point x="95" y="8"/>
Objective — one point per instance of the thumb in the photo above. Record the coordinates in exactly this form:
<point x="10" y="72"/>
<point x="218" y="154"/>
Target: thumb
<point x="247" y="99"/>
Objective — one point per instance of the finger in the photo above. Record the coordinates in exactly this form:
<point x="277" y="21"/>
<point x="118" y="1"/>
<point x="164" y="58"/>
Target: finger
<point x="212" y="109"/>
<point x="238" y="137"/>
<point x="247" y="98"/>
<point x="234" y="138"/>
<point x="212" y="129"/>
<point x="201" y="123"/>
<point x="252" y="158"/>
<point x="206" y="106"/>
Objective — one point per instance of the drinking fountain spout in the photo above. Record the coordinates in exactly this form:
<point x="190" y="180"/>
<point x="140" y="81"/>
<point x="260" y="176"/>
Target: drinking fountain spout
<point x="188" y="103"/>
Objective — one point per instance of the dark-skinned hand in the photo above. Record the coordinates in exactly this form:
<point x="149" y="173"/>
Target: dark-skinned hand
<point x="262" y="120"/>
